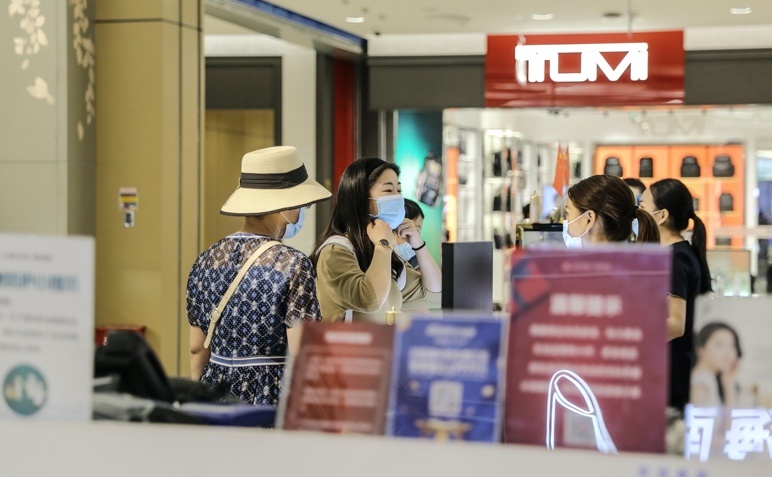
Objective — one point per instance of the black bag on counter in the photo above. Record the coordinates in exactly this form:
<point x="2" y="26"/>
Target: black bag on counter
<point x="647" y="167"/>
<point x="613" y="167"/>
<point x="723" y="167"/>
<point x="726" y="202"/>
<point x="690" y="167"/>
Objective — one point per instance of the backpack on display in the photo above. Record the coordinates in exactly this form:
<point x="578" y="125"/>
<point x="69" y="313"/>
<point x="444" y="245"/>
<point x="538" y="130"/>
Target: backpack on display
<point x="647" y="167"/>
<point x="726" y="202"/>
<point x="723" y="167"/>
<point x="612" y="167"/>
<point x="690" y="167"/>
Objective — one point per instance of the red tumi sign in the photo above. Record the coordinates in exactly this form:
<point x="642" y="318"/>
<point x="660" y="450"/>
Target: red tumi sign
<point x="606" y="69"/>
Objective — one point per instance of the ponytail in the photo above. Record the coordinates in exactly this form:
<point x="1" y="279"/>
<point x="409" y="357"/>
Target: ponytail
<point x="647" y="227"/>
<point x="699" y="246"/>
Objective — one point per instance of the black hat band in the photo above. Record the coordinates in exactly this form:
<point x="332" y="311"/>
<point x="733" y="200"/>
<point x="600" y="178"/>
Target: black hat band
<point x="282" y="180"/>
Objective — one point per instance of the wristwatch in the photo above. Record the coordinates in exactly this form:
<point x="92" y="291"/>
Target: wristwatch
<point x="385" y="243"/>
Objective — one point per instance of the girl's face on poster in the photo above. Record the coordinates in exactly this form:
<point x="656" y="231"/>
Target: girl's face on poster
<point x="720" y="351"/>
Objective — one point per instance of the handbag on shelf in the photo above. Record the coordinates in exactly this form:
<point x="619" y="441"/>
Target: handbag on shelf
<point x="725" y="202"/>
<point x="497" y="172"/>
<point x="690" y="167"/>
<point x="723" y="167"/>
<point x="646" y="167"/>
<point x="613" y="167"/>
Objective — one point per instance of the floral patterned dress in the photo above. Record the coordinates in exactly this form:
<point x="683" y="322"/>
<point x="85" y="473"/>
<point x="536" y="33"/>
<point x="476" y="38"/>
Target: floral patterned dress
<point x="250" y="342"/>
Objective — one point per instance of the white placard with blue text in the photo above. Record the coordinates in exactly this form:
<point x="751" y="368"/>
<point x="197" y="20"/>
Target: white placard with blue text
<point x="46" y="327"/>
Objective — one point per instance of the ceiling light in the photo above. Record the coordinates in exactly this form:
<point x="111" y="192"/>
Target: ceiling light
<point x="355" y="19"/>
<point x="611" y="16"/>
<point x="740" y="10"/>
<point x="542" y="16"/>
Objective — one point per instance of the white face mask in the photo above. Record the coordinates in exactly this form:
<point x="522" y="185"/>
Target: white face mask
<point x="572" y="242"/>
<point x="292" y="229"/>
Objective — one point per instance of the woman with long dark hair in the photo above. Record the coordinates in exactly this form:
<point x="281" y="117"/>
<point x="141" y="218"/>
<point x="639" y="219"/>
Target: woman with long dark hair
<point x="714" y="377"/>
<point x="602" y="209"/>
<point x="670" y="203"/>
<point x="358" y="273"/>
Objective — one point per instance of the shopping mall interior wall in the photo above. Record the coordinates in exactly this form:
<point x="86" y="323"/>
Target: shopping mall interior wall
<point x="294" y="107"/>
<point x="47" y="129"/>
<point x="419" y="137"/>
<point x="728" y="77"/>
<point x="149" y="120"/>
<point x="243" y="113"/>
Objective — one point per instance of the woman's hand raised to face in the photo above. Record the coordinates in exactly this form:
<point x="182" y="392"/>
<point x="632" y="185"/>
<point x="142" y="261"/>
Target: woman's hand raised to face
<point x="409" y="233"/>
<point x="378" y="230"/>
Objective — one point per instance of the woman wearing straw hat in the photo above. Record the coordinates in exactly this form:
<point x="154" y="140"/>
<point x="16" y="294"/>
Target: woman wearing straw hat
<point x="360" y="278"/>
<point x="248" y="290"/>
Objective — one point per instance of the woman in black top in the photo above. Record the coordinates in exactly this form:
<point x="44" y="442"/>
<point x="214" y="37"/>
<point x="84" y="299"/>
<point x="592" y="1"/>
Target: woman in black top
<point x="670" y="203"/>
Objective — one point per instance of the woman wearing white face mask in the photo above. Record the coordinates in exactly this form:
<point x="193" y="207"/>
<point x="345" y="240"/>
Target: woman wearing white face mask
<point x="244" y="345"/>
<point x="602" y="209"/>
<point x="359" y="275"/>
<point x="670" y="203"/>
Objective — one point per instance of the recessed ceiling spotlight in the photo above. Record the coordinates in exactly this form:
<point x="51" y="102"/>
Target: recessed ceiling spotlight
<point x="740" y="10"/>
<point x="355" y="19"/>
<point x="542" y="16"/>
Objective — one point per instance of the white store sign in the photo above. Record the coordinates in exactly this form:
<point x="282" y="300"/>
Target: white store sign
<point x="46" y="327"/>
<point x="531" y="62"/>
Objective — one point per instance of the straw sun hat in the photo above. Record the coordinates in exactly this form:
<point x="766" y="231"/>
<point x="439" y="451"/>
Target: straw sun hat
<point x="273" y="179"/>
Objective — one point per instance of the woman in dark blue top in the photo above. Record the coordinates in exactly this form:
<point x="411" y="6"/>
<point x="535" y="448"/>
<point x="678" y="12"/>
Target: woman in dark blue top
<point x="670" y="203"/>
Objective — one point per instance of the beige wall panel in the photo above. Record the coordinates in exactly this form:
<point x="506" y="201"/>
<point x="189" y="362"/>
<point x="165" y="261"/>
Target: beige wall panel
<point x="23" y="210"/>
<point x="138" y="147"/>
<point x="81" y="191"/>
<point x="229" y="135"/>
<point x="192" y="123"/>
<point x="192" y="12"/>
<point x="138" y="9"/>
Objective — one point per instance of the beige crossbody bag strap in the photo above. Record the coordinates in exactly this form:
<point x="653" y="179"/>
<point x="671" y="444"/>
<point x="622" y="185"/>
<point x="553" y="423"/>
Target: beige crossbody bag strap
<point x="215" y="317"/>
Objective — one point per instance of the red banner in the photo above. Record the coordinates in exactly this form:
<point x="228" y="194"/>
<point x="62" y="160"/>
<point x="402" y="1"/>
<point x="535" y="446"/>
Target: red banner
<point x="605" y="69"/>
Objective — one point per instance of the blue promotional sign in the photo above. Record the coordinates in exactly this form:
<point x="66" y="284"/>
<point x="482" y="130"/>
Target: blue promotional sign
<point x="448" y="378"/>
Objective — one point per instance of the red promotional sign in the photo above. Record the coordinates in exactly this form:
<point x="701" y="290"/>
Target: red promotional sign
<point x="572" y="70"/>
<point x="587" y="363"/>
<point x="340" y="379"/>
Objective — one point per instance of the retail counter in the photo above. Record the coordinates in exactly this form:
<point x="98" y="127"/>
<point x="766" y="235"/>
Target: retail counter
<point x="132" y="450"/>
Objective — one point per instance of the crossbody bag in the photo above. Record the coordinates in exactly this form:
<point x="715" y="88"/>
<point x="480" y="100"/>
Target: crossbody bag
<point x="214" y="318"/>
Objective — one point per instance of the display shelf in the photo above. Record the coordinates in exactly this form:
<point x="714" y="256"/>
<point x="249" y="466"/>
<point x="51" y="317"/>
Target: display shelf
<point x="463" y="191"/>
<point x="715" y="177"/>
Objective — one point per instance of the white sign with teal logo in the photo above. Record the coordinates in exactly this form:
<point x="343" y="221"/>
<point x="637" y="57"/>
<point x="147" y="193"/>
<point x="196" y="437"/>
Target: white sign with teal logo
<point x="46" y="327"/>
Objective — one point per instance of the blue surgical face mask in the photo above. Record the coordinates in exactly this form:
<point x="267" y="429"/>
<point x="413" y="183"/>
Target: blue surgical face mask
<point x="572" y="242"/>
<point x="391" y="209"/>
<point x="292" y="229"/>
<point x="405" y="251"/>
